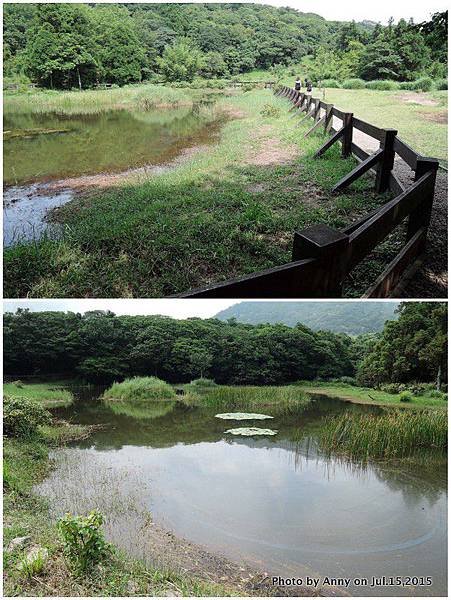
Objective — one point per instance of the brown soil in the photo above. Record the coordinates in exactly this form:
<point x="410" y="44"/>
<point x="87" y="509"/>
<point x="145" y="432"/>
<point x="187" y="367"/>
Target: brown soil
<point x="417" y="98"/>
<point x="104" y="180"/>
<point x="269" y="150"/>
<point x="193" y="560"/>
<point x="437" y="117"/>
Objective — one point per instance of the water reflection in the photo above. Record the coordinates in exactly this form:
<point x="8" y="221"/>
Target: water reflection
<point x="276" y="502"/>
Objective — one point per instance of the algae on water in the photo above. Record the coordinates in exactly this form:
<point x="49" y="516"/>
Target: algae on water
<point x="241" y="416"/>
<point x="250" y="431"/>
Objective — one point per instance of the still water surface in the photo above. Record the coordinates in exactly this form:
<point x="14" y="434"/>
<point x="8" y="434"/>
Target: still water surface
<point x="39" y="149"/>
<point x="276" y="503"/>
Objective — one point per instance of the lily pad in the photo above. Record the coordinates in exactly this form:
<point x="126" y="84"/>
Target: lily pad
<point x="240" y="416"/>
<point x="250" y="431"/>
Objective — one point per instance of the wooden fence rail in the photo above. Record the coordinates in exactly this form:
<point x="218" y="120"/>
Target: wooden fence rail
<point x="323" y="257"/>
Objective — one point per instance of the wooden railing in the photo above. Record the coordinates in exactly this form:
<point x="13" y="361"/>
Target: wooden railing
<point x="323" y="257"/>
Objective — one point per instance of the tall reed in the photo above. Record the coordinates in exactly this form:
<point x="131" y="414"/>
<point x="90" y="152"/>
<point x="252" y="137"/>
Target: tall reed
<point x="276" y="400"/>
<point x="392" y="434"/>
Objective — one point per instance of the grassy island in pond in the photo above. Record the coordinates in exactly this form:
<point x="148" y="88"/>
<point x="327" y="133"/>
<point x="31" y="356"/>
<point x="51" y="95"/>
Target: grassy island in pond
<point x="140" y="389"/>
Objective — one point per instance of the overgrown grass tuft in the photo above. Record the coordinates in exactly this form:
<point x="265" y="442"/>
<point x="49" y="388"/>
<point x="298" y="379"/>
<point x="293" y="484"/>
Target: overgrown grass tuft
<point x="140" y="388"/>
<point x="274" y="400"/>
<point x="49" y="395"/>
<point x="393" y="434"/>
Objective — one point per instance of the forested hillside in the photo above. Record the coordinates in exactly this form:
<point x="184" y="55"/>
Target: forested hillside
<point x="102" y="347"/>
<point x="75" y="45"/>
<point x="352" y="318"/>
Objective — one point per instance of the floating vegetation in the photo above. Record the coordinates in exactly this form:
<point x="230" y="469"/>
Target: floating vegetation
<point x="392" y="434"/>
<point x="240" y="416"/>
<point x="251" y="431"/>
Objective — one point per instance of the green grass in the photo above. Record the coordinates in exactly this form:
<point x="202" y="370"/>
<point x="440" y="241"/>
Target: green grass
<point x="275" y="400"/>
<point x="25" y="464"/>
<point x="424" y="127"/>
<point x="140" y="389"/>
<point x="363" y="395"/>
<point x="393" y="434"/>
<point x="141" y="97"/>
<point x="49" y="395"/>
<point x="213" y="217"/>
<point x="141" y="410"/>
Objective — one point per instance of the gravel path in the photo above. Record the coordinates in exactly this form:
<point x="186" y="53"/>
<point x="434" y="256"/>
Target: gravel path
<point x="431" y="279"/>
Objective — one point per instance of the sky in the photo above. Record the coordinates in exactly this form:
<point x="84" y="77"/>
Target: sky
<point x="382" y="10"/>
<point x="171" y="307"/>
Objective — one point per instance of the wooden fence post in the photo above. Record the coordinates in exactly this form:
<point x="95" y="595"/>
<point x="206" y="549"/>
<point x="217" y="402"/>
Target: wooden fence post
<point x="386" y="163"/>
<point x="329" y="117"/>
<point x="421" y="217"/>
<point x="346" y="142"/>
<point x="330" y="247"/>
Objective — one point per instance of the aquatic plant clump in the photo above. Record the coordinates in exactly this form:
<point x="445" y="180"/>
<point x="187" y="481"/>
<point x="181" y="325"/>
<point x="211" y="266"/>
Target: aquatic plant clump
<point x="140" y="389"/>
<point x="392" y="434"/>
<point x="251" y="431"/>
<point x="279" y="400"/>
<point x="238" y="416"/>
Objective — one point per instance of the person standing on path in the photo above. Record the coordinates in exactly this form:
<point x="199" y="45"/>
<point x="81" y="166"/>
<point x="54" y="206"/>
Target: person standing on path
<point x="297" y="85"/>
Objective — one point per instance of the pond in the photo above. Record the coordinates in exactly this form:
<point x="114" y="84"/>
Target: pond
<point x="276" y="503"/>
<point x="41" y="149"/>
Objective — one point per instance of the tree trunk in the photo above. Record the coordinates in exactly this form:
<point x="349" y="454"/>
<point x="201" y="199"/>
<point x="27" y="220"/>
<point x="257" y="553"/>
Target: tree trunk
<point x="79" y="78"/>
<point x="439" y="378"/>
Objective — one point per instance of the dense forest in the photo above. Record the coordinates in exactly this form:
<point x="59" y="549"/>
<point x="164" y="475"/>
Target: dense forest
<point x="102" y="347"/>
<point x="77" y="45"/>
<point x="352" y="318"/>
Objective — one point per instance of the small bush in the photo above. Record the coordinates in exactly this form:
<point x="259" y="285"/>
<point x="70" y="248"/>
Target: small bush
<point x="330" y="83"/>
<point x="389" y="388"/>
<point x="438" y="394"/>
<point x="347" y="380"/>
<point x="382" y="84"/>
<point x="22" y="417"/>
<point x="269" y="110"/>
<point x="140" y="388"/>
<point x="84" y="544"/>
<point x="203" y="382"/>
<point x="353" y="84"/>
<point x="424" y="84"/>
<point x="34" y="563"/>
<point x="441" y="84"/>
<point x="405" y="397"/>
<point x="406" y="85"/>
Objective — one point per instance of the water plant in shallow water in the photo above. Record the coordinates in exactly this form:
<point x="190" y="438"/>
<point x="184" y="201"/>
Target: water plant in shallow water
<point x="392" y="434"/>
<point x="140" y="388"/>
<point x="240" y="416"/>
<point x="251" y="431"/>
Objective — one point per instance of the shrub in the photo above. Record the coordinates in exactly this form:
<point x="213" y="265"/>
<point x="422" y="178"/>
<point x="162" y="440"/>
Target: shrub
<point x="441" y="84"/>
<point x="140" y="388"/>
<point x="22" y="417"/>
<point x="424" y="84"/>
<point x="203" y="382"/>
<point x="438" y="394"/>
<point x="405" y="397"/>
<point x="353" y="84"/>
<point x="407" y="85"/>
<point x="347" y="380"/>
<point x="390" y="388"/>
<point x="269" y="110"/>
<point x="382" y="84"/>
<point x="84" y="544"/>
<point x="330" y="83"/>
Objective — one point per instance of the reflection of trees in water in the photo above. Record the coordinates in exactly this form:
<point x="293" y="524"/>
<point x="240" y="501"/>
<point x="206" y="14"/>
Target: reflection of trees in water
<point x="419" y="480"/>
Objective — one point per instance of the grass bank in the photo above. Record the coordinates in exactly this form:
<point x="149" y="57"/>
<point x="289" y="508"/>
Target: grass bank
<point x="421" y="118"/>
<point x="275" y="400"/>
<point x="49" y="395"/>
<point x="26" y="462"/>
<point x="229" y="211"/>
<point x="137" y="97"/>
<point x="394" y="434"/>
<point x="362" y="395"/>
